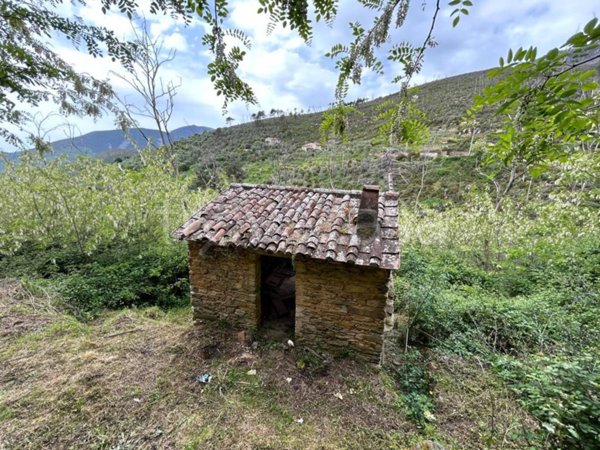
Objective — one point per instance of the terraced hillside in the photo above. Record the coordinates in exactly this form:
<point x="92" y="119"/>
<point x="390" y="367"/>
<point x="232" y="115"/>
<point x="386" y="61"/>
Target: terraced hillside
<point x="445" y="102"/>
<point x="286" y="149"/>
<point x="271" y="150"/>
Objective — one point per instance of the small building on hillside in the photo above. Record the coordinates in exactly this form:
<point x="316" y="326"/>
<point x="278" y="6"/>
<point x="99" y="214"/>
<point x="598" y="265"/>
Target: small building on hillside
<point x="318" y="260"/>
<point x="311" y="146"/>
<point x="272" y="141"/>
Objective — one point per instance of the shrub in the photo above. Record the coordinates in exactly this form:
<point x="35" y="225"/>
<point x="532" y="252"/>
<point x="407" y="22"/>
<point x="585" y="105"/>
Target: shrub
<point x="563" y="392"/>
<point x="86" y="204"/>
<point x="529" y="307"/>
<point x="121" y="277"/>
<point x="413" y="382"/>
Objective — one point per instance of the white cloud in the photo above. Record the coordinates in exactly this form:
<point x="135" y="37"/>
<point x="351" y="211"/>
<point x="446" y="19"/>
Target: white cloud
<point x="287" y="74"/>
<point x="175" y="41"/>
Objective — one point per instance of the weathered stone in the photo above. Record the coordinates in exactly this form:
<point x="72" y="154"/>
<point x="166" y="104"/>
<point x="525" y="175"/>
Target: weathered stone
<point x="225" y="283"/>
<point x="320" y="286"/>
<point x="338" y="306"/>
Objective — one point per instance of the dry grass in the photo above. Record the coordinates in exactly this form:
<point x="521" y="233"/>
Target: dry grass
<point x="128" y="381"/>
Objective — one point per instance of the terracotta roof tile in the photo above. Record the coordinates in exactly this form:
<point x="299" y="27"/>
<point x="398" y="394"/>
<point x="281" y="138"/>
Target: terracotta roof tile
<point x="318" y="223"/>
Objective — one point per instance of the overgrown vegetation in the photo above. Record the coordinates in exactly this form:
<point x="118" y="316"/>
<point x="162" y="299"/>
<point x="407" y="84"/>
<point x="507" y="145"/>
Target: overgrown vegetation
<point x="498" y="295"/>
<point x="97" y="232"/>
<point x="517" y="288"/>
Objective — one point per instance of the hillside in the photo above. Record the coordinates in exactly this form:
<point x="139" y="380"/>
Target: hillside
<point x="110" y="144"/>
<point x="445" y="102"/>
<point x="245" y="153"/>
<point x="270" y="150"/>
<point x="274" y="150"/>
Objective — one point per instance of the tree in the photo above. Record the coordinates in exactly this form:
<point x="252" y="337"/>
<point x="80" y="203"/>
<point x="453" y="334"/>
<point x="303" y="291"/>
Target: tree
<point x="31" y="72"/>
<point x="86" y="204"/>
<point x="335" y="122"/>
<point x="548" y="105"/>
<point x="157" y="95"/>
<point x="401" y="123"/>
<point x="258" y="115"/>
<point x="229" y="120"/>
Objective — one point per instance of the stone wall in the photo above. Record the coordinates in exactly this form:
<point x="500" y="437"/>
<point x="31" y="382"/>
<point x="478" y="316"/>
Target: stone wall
<point x="342" y="307"/>
<point x="338" y="306"/>
<point x="224" y="285"/>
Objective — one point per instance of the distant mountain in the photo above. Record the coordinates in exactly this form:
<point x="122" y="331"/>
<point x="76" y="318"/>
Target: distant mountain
<point x="109" y="144"/>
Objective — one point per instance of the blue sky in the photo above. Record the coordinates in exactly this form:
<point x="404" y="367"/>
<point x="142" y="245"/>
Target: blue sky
<point x="286" y="73"/>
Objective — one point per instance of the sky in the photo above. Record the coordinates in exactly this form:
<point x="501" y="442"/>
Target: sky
<point x="288" y="74"/>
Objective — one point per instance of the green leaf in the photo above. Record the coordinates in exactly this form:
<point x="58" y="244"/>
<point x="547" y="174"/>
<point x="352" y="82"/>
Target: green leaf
<point x="577" y="40"/>
<point x="589" y="86"/>
<point x="589" y="27"/>
<point x="568" y="93"/>
<point x="552" y="54"/>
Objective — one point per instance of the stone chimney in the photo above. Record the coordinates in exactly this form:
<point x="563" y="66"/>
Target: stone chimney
<point x="366" y="221"/>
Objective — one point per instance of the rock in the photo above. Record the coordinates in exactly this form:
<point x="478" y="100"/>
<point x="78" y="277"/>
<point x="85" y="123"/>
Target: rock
<point x="243" y="337"/>
<point x="210" y="351"/>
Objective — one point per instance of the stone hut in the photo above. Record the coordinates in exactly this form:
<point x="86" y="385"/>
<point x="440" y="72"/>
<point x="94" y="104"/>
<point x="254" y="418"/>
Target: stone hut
<point x="317" y="260"/>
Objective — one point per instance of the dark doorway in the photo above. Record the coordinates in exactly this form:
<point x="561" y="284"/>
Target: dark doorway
<point x="277" y="296"/>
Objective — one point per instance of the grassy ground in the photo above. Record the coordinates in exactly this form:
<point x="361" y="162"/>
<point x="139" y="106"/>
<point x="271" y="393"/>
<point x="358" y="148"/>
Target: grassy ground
<point x="128" y="380"/>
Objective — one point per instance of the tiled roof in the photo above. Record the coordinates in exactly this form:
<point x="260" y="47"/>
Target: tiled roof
<point x="318" y="223"/>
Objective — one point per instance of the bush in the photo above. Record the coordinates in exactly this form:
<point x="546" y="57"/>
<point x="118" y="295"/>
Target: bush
<point x="414" y="385"/>
<point x="563" y="392"/>
<point x="534" y="319"/>
<point x="460" y="306"/>
<point x="123" y="277"/>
